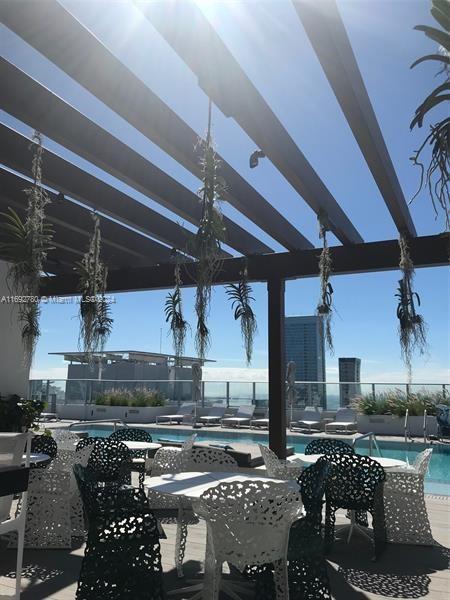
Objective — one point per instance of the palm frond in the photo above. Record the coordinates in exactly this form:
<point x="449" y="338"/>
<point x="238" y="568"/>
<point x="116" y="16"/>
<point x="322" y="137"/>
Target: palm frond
<point x="241" y="298"/>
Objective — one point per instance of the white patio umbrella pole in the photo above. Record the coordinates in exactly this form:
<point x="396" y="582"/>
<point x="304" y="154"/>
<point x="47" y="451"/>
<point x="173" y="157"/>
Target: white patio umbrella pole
<point x="290" y="388"/>
<point x="196" y="388"/>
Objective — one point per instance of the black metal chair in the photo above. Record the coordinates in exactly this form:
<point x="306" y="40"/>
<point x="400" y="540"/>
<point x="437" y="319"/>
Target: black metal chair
<point x="88" y="441"/>
<point x="122" y="560"/>
<point x="325" y="446"/>
<point x="138" y="457"/>
<point x="355" y="483"/>
<point x="43" y="444"/>
<point x="307" y="568"/>
<point x="111" y="461"/>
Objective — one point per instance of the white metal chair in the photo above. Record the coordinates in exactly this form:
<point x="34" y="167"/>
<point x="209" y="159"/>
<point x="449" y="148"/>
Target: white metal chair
<point x="172" y="509"/>
<point x="243" y="416"/>
<point x="204" y="458"/>
<point x="345" y="421"/>
<point x="66" y="439"/>
<point x="184" y="411"/>
<point x="14" y="480"/>
<point x="277" y="468"/>
<point x="404" y="504"/>
<point x="247" y="522"/>
<point x="214" y="416"/>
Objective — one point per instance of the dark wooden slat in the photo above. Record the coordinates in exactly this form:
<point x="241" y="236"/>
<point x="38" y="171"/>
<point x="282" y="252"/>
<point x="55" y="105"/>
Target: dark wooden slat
<point x="327" y="34"/>
<point x="61" y="122"/>
<point x="221" y="76"/>
<point x="426" y="251"/>
<point x="75" y="49"/>
<point x="277" y="386"/>
<point x="73" y="226"/>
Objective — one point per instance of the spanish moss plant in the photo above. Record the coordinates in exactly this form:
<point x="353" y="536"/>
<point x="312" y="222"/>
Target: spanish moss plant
<point x="435" y="149"/>
<point x="26" y="247"/>
<point x="94" y="314"/>
<point x="208" y="239"/>
<point x="241" y="298"/>
<point x="325" y="305"/>
<point x="412" y="327"/>
<point x="174" y="313"/>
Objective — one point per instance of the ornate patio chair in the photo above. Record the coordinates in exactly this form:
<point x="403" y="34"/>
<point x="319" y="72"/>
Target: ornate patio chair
<point x="111" y="461"/>
<point x="325" y="446"/>
<point x="277" y="468"/>
<point x="247" y="523"/>
<point x="170" y="509"/>
<point x="404" y="504"/>
<point x="355" y="483"/>
<point x="88" y="441"/>
<point x="307" y="569"/>
<point x="66" y="439"/>
<point x="137" y="456"/>
<point x="43" y="444"/>
<point x="204" y="458"/>
<point x="122" y="560"/>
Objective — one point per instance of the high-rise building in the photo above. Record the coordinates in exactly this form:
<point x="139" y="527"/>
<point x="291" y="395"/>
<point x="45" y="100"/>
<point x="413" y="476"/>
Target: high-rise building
<point x="304" y="344"/>
<point x="349" y="378"/>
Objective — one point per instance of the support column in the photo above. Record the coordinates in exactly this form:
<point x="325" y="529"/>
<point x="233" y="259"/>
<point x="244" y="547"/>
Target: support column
<point x="277" y="396"/>
<point x="13" y="373"/>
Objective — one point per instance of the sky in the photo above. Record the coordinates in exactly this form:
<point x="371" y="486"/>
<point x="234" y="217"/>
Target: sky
<point x="268" y="40"/>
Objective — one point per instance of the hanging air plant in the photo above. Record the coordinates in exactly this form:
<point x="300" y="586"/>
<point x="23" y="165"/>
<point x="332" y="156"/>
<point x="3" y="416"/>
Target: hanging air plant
<point x="325" y="305"/>
<point x="26" y="247"/>
<point x="174" y="312"/>
<point x="241" y="298"/>
<point x="436" y="175"/>
<point x="95" y="320"/>
<point x="208" y="239"/>
<point x="412" y="327"/>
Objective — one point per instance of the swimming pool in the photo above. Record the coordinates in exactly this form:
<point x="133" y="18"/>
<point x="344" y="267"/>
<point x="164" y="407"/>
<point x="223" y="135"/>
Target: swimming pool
<point x="437" y="480"/>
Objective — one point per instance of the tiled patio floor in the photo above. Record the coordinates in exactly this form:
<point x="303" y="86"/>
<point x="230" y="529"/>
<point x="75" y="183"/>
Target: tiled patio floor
<point x="402" y="572"/>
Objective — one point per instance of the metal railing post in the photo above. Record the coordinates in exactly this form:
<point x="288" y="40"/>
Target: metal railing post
<point x="253" y="392"/>
<point x="227" y="393"/>
<point x="406" y="425"/>
<point x="374" y="395"/>
<point x="425" y="426"/>
<point x="203" y="393"/>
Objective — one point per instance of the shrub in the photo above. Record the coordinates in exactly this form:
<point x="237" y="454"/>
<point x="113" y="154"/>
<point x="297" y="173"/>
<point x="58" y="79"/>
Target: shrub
<point x="135" y="398"/>
<point x="17" y="414"/>
<point x="395" y="402"/>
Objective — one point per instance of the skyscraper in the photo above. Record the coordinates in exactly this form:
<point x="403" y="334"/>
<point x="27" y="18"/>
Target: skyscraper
<point x="350" y="374"/>
<point x="304" y="344"/>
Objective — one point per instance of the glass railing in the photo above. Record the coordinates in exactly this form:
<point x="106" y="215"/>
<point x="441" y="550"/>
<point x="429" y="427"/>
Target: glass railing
<point x="232" y="393"/>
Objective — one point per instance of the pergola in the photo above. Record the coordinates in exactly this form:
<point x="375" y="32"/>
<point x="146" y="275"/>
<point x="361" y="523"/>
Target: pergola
<point x="138" y="239"/>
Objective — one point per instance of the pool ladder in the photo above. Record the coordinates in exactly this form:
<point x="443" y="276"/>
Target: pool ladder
<point x="407" y="433"/>
<point x="373" y="443"/>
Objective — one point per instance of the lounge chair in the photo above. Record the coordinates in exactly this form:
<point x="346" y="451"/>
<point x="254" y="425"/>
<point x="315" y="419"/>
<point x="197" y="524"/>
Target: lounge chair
<point x="214" y="416"/>
<point x="264" y="422"/>
<point x="345" y="420"/>
<point x="242" y="417"/>
<point x="310" y="418"/>
<point x="185" y="410"/>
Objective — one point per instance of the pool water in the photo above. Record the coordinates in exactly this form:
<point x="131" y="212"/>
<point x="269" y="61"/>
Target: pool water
<point x="437" y="480"/>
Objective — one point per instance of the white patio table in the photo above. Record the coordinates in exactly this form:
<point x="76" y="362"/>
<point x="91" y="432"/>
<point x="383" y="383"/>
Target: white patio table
<point x="386" y="463"/>
<point x="133" y="445"/>
<point x="192" y="485"/>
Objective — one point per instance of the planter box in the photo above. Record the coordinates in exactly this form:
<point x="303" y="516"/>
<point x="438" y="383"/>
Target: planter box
<point x="390" y="425"/>
<point x="74" y="412"/>
<point x="147" y="414"/>
<point x="128" y="414"/>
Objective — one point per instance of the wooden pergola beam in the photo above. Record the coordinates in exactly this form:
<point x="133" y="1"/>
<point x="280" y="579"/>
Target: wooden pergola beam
<point x="326" y="32"/>
<point x="426" y="251"/>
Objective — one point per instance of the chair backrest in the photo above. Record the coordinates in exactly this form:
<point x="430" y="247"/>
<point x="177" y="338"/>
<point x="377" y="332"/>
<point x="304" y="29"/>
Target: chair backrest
<point x="44" y="444"/>
<point x="88" y="441"/>
<point x="353" y="480"/>
<point x="271" y="461"/>
<point x="12" y="448"/>
<point x="187" y="408"/>
<point x="345" y="415"/>
<point x="312" y="484"/>
<point x="217" y="410"/>
<point x="66" y="440"/>
<point x="131" y="434"/>
<point x="249" y="521"/>
<point x="310" y="413"/>
<point x="211" y="459"/>
<point x="111" y="461"/>
<point x="422" y="461"/>
<point x="245" y="411"/>
<point x="326" y="445"/>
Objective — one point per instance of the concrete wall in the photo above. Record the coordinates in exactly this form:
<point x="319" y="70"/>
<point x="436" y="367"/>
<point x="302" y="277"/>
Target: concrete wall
<point x="13" y="373"/>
